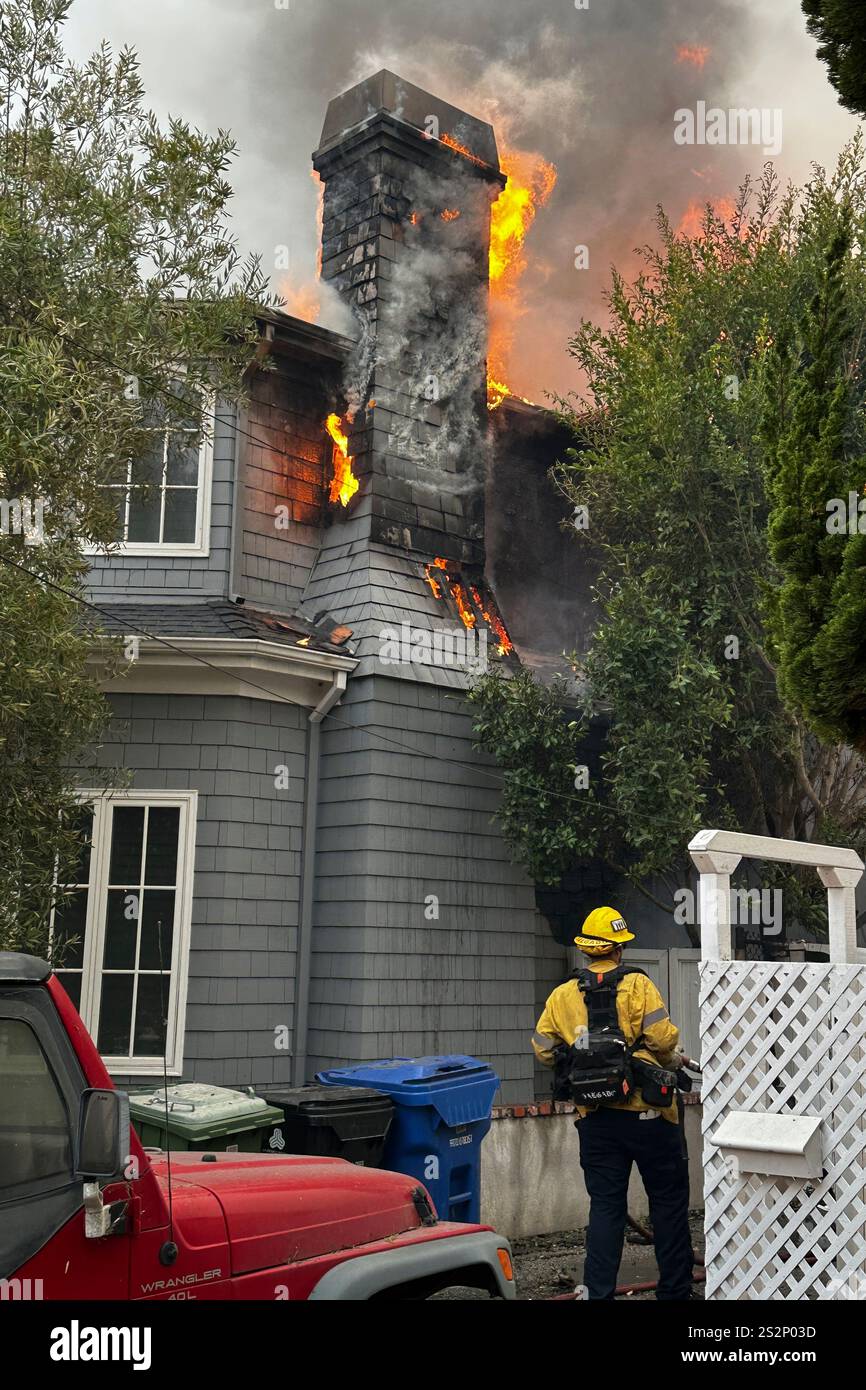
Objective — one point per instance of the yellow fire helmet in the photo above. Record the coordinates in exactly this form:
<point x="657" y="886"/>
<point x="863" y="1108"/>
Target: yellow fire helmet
<point x="603" y="928"/>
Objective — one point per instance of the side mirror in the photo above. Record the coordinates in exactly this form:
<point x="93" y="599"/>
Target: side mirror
<point x="103" y="1135"/>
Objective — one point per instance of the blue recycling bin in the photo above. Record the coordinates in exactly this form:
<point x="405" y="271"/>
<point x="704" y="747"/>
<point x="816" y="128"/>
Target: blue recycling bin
<point x="442" y="1111"/>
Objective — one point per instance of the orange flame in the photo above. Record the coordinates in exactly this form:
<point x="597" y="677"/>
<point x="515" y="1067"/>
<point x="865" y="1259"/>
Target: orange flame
<point x="302" y="297"/>
<point x="320" y="220"/>
<point x="691" y="223"/>
<point x="344" y="484"/>
<point x="505" y="643"/>
<point x="461" y="149"/>
<point x="450" y="214"/>
<point x="531" y="180"/>
<point x="468" y="617"/>
<point x="459" y="595"/>
<point x="496" y="393"/>
<point x="300" y="300"/>
<point x="433" y="582"/>
<point x="696" y="54"/>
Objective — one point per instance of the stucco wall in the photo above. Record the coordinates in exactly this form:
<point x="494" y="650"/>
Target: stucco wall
<point x="531" y="1180"/>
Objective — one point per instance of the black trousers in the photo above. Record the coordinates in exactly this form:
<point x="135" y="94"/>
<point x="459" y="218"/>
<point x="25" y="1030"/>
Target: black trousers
<point x="610" y="1141"/>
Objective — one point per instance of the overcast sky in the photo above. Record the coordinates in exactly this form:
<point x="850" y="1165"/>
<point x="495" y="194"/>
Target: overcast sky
<point x="592" y="90"/>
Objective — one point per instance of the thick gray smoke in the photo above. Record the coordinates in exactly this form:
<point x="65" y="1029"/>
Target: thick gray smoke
<point x="594" y="90"/>
<point x="433" y="329"/>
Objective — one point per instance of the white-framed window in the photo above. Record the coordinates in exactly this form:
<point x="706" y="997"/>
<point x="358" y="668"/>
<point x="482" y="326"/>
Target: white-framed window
<point x="130" y="913"/>
<point x="163" y="503"/>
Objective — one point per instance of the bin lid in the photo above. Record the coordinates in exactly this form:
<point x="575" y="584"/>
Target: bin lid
<point x="197" y="1111"/>
<point x="332" y="1097"/>
<point x="460" y="1088"/>
<point x="410" y="1071"/>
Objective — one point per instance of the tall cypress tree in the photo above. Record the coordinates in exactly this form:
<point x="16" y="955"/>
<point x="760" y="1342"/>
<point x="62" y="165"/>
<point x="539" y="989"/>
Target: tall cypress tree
<point x="840" y="28"/>
<point x="816" y="619"/>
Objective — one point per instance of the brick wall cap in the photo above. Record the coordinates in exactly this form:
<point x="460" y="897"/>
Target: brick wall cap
<point x="541" y="1110"/>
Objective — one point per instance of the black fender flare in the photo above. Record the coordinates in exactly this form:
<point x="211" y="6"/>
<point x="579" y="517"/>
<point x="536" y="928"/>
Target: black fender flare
<point x="363" y="1276"/>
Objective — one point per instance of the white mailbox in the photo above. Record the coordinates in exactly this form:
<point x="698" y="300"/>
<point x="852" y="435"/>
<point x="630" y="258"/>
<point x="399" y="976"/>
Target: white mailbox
<point x="785" y="1146"/>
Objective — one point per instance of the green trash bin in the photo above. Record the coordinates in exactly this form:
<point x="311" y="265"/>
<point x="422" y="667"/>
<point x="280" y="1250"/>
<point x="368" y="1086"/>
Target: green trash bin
<point x="202" y="1117"/>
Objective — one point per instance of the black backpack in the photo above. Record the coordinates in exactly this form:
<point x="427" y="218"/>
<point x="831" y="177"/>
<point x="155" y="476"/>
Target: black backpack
<point x="597" y="1068"/>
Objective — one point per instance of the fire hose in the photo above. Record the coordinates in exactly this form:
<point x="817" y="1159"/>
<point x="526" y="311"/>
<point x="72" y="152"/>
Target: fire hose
<point x="624" y="1290"/>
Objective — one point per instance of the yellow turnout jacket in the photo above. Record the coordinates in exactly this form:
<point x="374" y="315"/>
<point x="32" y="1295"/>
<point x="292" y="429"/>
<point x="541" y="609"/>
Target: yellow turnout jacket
<point x="640" y="1010"/>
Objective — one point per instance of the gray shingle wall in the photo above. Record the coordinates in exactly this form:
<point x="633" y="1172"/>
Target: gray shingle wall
<point x="247" y="866"/>
<point x="375" y="590"/>
<point x="285" y="455"/>
<point x="394" y="828"/>
<point x="137" y="576"/>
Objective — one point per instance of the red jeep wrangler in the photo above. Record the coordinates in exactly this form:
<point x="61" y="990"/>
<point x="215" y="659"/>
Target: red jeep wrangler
<point x="86" y="1213"/>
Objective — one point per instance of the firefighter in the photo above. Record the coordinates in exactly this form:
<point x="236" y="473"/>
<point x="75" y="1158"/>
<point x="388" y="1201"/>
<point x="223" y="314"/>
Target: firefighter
<point x="613" y="1135"/>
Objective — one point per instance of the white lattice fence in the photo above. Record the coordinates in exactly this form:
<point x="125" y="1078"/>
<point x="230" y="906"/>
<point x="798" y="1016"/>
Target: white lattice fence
<point x="785" y="1039"/>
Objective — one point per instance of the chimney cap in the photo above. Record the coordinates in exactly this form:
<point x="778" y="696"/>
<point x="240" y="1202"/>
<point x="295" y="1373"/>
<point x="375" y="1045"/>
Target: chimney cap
<point x="385" y="91"/>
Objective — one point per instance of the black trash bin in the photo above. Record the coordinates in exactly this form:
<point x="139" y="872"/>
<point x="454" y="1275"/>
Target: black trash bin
<point x="330" y="1121"/>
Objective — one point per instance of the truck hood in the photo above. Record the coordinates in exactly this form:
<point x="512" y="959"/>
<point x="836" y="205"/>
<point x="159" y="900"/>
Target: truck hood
<point x="279" y="1210"/>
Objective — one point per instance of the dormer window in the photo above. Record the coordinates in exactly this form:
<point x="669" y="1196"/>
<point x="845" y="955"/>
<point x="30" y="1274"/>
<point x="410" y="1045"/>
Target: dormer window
<point x="163" y="506"/>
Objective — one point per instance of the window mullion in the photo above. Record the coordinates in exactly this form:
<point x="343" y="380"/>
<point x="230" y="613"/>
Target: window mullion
<point x="162" y="486"/>
<point x="127" y="492"/>
<point x="207" y="443"/>
<point x="200" y="482"/>
<point x="141" y="877"/>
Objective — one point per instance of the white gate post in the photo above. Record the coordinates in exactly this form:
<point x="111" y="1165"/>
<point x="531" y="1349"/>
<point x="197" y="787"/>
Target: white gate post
<point x="714" y="886"/>
<point x="841" y="913"/>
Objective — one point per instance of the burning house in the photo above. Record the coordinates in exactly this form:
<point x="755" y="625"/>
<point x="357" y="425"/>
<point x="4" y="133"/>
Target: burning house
<point x="307" y="827"/>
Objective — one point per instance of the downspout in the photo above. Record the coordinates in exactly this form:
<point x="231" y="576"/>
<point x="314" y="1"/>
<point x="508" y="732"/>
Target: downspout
<point x="308" y="877"/>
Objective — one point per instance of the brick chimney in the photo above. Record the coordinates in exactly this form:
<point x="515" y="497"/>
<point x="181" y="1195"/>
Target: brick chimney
<point x="409" y="181"/>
